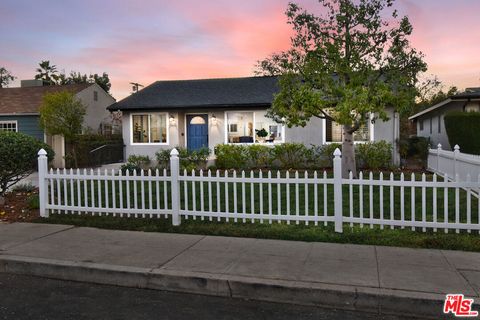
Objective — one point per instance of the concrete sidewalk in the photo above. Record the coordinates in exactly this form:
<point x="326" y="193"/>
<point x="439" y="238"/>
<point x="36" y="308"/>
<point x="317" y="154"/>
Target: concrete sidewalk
<point x="385" y="280"/>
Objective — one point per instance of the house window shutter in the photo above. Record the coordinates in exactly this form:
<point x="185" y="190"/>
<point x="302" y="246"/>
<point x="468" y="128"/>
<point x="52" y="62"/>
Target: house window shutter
<point x="328" y="130"/>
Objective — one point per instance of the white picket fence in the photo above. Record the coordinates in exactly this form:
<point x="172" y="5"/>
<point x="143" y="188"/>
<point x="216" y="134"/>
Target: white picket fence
<point x="300" y="197"/>
<point x="453" y="163"/>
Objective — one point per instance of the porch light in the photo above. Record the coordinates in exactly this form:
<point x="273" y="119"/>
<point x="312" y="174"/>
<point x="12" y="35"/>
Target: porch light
<point x="172" y="120"/>
<point x="214" y="120"/>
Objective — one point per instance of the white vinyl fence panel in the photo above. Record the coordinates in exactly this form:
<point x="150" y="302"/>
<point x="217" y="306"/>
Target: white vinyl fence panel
<point x="453" y="163"/>
<point x="419" y="202"/>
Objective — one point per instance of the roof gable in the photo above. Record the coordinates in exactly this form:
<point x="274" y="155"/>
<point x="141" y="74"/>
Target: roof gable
<point x="29" y="99"/>
<point x="175" y="94"/>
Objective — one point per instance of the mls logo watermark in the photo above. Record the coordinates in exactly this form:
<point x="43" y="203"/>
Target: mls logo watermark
<point x="459" y="306"/>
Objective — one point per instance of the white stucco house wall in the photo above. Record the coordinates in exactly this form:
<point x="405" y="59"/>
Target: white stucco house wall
<point x="208" y="112"/>
<point x="430" y="123"/>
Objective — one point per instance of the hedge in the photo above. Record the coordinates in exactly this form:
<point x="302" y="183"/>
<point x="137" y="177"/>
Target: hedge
<point x="462" y="129"/>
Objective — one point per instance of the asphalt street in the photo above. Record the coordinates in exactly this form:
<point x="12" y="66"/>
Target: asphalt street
<point x="26" y="297"/>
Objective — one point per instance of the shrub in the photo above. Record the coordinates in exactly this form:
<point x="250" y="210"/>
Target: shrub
<point x="323" y="155"/>
<point x="231" y="156"/>
<point x="24" y="187"/>
<point x="374" y="155"/>
<point x="461" y="129"/>
<point x="130" y="167"/>
<point x="193" y="159"/>
<point x="292" y="155"/>
<point x="18" y="157"/>
<point x="418" y="147"/>
<point x="189" y="159"/>
<point x="142" y="162"/>
<point x="259" y="156"/>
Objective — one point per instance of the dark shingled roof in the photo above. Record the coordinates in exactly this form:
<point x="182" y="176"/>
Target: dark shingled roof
<point x="28" y="100"/>
<point x="202" y="93"/>
<point x="466" y="95"/>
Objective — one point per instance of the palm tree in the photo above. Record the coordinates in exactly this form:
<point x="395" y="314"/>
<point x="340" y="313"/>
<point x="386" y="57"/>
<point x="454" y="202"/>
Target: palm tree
<point x="48" y="73"/>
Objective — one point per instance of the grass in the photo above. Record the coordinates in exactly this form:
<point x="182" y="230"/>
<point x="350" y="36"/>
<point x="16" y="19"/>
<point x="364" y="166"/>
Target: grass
<point x="301" y="232"/>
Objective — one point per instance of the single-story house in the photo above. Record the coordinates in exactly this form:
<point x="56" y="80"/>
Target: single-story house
<point x="430" y="122"/>
<point x="19" y="110"/>
<point x="208" y="112"/>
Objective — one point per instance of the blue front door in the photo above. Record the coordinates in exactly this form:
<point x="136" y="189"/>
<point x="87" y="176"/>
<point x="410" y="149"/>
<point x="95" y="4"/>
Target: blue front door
<point x="197" y="131"/>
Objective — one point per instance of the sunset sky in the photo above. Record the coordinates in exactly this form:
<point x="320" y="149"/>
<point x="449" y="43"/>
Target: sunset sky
<point x="144" y="41"/>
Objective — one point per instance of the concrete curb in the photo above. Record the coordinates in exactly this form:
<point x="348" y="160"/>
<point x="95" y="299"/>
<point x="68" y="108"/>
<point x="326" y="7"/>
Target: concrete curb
<point x="376" y="300"/>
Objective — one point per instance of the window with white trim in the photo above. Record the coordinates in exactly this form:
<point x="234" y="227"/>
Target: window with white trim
<point x="334" y="132"/>
<point x="252" y="127"/>
<point x="149" y="128"/>
<point x="8" y="126"/>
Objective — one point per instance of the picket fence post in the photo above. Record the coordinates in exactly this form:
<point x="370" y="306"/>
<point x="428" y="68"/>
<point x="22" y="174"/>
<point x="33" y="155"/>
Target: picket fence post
<point x="175" y="172"/>
<point x="42" y="182"/>
<point x="439" y="149"/>
<point x="337" y="190"/>
<point x="456" y="152"/>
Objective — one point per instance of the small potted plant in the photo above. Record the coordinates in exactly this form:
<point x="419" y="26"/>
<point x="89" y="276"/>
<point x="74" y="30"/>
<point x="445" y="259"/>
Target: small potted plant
<point x="261" y="134"/>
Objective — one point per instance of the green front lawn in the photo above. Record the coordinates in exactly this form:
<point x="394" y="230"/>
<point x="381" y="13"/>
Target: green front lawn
<point x="320" y="233"/>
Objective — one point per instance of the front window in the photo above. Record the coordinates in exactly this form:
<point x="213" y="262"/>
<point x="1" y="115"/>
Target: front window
<point x="252" y="127"/>
<point x="334" y="132"/>
<point x="240" y="127"/>
<point x="149" y="128"/>
<point x="267" y="130"/>
<point x="8" y="126"/>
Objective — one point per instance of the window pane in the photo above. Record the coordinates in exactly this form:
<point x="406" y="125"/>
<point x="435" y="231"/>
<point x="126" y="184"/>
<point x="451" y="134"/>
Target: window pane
<point x="334" y="132"/>
<point x="363" y="133"/>
<point x="158" y="123"/>
<point x="272" y="129"/>
<point x="140" y="128"/>
<point x="240" y="127"/>
<point x="8" y="126"/>
<point x="337" y="131"/>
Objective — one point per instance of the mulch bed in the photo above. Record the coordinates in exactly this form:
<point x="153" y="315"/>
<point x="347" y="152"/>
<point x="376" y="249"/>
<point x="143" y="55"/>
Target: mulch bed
<point x="16" y="207"/>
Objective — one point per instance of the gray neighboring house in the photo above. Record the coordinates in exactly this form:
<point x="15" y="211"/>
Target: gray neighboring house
<point x="208" y="112"/>
<point x="430" y="123"/>
<point x="19" y="110"/>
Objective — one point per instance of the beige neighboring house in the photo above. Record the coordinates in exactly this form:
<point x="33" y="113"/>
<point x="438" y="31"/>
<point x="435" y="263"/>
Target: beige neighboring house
<point x="19" y="111"/>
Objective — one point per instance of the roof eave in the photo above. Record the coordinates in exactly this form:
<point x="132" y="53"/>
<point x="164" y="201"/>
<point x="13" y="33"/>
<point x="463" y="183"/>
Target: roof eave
<point x="438" y="105"/>
<point x="113" y="107"/>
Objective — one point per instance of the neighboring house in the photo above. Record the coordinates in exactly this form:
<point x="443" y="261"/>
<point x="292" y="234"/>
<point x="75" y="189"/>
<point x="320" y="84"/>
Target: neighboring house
<point x="208" y="112"/>
<point x="430" y="122"/>
<point x="19" y="110"/>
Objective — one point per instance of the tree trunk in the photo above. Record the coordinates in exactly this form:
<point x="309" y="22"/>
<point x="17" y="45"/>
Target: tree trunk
<point x="348" y="153"/>
<point x="74" y="154"/>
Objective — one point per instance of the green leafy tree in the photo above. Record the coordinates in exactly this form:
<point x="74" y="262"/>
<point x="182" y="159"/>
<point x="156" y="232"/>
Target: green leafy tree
<point x="344" y="65"/>
<point x="76" y="77"/>
<point x="61" y="113"/>
<point x="432" y="91"/>
<point x="47" y="72"/>
<point x="103" y="81"/>
<point x="5" y="77"/>
<point x="18" y="157"/>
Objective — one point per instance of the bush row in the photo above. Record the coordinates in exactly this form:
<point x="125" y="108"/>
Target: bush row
<point x="285" y="156"/>
<point x="189" y="160"/>
<point x="371" y="155"/>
